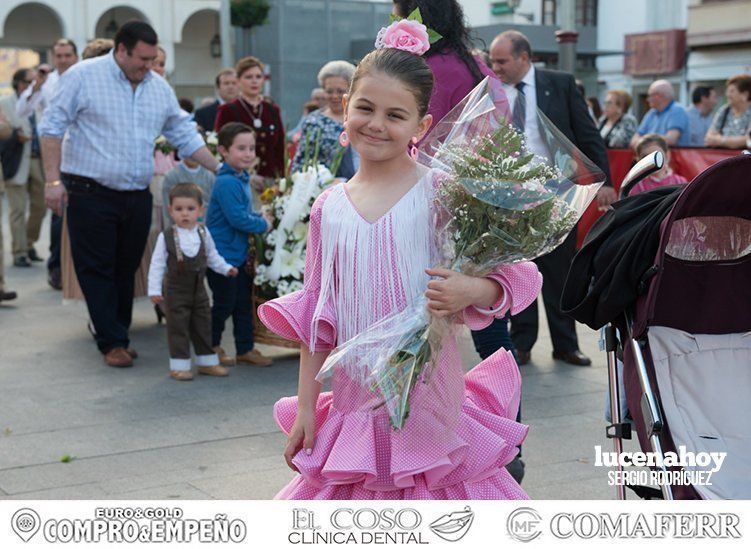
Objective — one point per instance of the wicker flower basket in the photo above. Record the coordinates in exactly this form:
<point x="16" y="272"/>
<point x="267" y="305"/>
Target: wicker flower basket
<point x="261" y="334"/>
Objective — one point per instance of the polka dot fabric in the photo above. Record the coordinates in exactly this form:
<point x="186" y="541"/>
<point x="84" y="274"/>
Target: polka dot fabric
<point x="357" y="455"/>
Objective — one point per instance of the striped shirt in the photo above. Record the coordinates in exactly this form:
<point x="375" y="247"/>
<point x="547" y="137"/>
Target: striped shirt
<point x="111" y="128"/>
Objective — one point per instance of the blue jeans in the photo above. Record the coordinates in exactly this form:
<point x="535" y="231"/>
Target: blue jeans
<point x="488" y="340"/>
<point x="232" y="297"/>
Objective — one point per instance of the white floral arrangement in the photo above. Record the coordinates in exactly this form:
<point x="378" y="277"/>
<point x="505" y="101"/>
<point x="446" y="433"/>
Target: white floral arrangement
<point x="212" y="143"/>
<point x="281" y="253"/>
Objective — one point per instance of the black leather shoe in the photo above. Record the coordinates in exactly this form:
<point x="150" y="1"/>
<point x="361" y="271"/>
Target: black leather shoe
<point x="523" y="357"/>
<point x="8" y="296"/>
<point x="516" y="469"/>
<point x="21" y="262"/>
<point x="33" y="255"/>
<point x="55" y="279"/>
<point x="577" y="358"/>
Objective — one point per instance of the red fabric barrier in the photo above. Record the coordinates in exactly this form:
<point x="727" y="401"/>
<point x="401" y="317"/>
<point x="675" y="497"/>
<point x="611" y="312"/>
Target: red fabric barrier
<point x="688" y="162"/>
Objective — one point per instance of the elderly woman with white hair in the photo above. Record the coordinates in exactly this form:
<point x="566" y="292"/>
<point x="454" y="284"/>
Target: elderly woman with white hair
<point x="323" y="127"/>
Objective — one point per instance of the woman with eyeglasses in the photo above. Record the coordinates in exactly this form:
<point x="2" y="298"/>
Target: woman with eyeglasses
<point x="322" y="127"/>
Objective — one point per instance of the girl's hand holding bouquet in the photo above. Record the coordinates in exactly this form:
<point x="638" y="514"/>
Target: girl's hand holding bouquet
<point x="454" y="292"/>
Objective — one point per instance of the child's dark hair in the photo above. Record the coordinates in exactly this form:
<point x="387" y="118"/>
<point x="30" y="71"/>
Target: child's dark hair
<point x="186" y="190"/>
<point x="408" y="68"/>
<point x="651" y="139"/>
<point x="229" y="131"/>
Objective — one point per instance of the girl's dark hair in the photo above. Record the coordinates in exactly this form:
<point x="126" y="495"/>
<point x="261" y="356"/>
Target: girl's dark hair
<point x="229" y="131"/>
<point x="446" y="17"/>
<point x="408" y="68"/>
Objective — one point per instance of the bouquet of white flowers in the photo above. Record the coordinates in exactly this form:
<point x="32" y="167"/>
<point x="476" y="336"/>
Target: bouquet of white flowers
<point x="496" y="203"/>
<point x="281" y="252"/>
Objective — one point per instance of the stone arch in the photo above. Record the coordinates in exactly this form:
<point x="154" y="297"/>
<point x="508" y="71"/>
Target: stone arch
<point x="110" y="20"/>
<point x="188" y="20"/>
<point x="32" y="25"/>
<point x="195" y="66"/>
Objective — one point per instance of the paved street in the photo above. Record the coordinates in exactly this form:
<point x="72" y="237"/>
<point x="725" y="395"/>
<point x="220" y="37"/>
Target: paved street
<point x="137" y="434"/>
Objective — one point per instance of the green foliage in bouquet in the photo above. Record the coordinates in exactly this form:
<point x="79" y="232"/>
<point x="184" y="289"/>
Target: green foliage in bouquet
<point x="502" y="210"/>
<point x="161" y="144"/>
<point x="404" y="369"/>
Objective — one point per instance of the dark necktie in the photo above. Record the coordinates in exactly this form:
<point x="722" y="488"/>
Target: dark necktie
<point x="520" y="108"/>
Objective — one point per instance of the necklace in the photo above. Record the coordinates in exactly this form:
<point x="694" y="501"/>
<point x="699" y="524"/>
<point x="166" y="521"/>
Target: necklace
<point x="256" y="121"/>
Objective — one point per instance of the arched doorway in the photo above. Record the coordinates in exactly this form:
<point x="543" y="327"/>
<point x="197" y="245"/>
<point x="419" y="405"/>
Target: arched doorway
<point x="198" y="56"/>
<point x="28" y="34"/>
<point x="108" y="23"/>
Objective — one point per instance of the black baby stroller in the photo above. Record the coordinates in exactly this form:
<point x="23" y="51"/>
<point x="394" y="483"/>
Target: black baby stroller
<point x="683" y="322"/>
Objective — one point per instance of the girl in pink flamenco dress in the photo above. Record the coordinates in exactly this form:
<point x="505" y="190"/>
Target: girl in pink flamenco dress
<point x="370" y="252"/>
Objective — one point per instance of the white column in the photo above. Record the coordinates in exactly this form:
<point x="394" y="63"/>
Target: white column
<point x="225" y="33"/>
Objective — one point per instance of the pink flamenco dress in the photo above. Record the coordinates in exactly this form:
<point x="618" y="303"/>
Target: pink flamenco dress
<point x="461" y="430"/>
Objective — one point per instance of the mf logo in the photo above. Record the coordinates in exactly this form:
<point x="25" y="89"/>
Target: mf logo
<point x="524" y="524"/>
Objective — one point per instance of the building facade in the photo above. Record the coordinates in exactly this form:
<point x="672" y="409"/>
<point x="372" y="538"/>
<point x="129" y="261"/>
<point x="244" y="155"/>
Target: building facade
<point x="186" y="29"/>
<point x="719" y="40"/>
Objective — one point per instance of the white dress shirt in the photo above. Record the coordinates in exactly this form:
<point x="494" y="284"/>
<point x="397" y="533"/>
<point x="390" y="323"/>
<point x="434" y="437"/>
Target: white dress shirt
<point x="190" y="243"/>
<point x="31" y="101"/>
<point x="531" y="125"/>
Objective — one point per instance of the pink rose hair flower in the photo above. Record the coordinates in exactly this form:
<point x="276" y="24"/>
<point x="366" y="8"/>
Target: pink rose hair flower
<point x="405" y="34"/>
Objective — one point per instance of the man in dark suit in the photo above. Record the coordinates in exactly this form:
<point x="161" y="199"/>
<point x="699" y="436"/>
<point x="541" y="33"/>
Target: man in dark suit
<point x="554" y="94"/>
<point x="227" y="90"/>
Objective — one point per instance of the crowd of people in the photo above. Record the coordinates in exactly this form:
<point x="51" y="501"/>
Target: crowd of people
<point x="699" y="125"/>
<point x="142" y="206"/>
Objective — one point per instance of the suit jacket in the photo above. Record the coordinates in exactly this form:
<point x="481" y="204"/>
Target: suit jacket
<point x="205" y="116"/>
<point x="8" y="107"/>
<point x="560" y="100"/>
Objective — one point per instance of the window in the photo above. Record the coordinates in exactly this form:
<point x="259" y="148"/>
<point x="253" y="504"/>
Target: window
<point x="586" y="12"/>
<point x="548" y="12"/>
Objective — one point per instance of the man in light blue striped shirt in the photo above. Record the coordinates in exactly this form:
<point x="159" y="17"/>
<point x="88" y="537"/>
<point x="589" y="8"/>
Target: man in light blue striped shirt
<point x="98" y="138"/>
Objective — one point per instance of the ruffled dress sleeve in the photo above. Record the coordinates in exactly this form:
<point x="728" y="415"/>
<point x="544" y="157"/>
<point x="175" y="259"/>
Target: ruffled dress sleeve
<point x="521" y="284"/>
<point x="293" y="316"/>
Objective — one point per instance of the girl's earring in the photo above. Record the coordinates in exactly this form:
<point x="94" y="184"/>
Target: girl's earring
<point x="414" y="152"/>
<point x="344" y="139"/>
